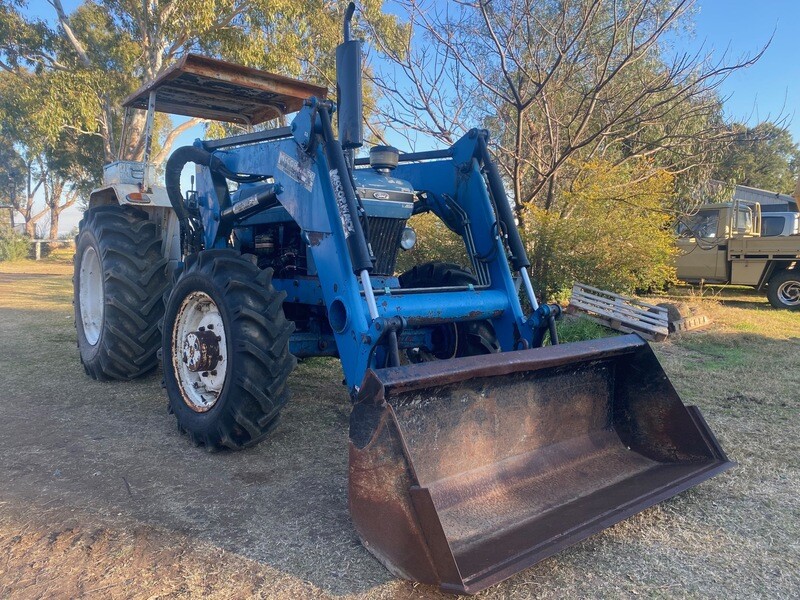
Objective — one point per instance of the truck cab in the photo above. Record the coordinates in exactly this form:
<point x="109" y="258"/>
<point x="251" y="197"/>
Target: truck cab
<point x="723" y="243"/>
<point x="703" y="239"/>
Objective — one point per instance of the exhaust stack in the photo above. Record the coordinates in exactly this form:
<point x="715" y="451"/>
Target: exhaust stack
<point x="348" y="88"/>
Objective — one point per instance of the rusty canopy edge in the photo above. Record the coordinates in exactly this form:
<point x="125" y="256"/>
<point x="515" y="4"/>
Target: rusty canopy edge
<point x="216" y="81"/>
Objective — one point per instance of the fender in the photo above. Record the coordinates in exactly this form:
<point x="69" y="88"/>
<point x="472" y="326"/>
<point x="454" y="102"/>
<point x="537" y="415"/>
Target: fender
<point x="130" y="194"/>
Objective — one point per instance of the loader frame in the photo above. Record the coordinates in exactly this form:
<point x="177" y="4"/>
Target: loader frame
<point x="298" y="158"/>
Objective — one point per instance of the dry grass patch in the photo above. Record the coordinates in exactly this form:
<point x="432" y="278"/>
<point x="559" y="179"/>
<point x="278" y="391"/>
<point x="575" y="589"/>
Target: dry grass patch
<point x="103" y="497"/>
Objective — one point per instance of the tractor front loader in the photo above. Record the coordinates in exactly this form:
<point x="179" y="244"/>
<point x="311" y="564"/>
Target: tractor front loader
<point x="475" y="448"/>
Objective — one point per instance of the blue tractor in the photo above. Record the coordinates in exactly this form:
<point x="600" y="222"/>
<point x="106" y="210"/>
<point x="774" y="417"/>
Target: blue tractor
<point x="476" y="449"/>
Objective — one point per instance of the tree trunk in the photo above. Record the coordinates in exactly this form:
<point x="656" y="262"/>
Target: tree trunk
<point x="54" y="215"/>
<point x="30" y="228"/>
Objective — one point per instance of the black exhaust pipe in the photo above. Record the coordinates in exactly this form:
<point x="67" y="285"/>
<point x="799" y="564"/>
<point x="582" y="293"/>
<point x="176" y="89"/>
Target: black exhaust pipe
<point x="348" y="88"/>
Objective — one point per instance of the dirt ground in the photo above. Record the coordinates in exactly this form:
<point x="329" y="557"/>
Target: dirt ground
<point x="102" y="497"/>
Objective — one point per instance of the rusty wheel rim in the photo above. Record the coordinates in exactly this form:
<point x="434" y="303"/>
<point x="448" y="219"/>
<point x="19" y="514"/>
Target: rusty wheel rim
<point x="199" y="351"/>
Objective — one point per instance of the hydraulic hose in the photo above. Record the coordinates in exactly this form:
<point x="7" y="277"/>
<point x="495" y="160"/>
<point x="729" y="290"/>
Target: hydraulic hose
<point x="172" y="177"/>
<point x="519" y="258"/>
<point x="219" y="172"/>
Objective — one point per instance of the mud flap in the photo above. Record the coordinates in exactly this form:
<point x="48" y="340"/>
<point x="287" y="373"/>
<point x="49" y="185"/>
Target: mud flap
<point x="464" y="472"/>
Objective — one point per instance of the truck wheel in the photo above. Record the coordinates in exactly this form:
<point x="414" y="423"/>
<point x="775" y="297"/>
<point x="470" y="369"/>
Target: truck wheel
<point x="118" y="283"/>
<point x="226" y="351"/>
<point x="783" y="290"/>
<point x="470" y="338"/>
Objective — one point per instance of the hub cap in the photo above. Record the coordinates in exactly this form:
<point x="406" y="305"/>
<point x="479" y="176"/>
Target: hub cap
<point x="90" y="295"/>
<point x="199" y="351"/>
<point x="789" y="293"/>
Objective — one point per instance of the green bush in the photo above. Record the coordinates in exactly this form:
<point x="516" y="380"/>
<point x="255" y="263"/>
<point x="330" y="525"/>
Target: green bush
<point x="13" y="246"/>
<point x="609" y="230"/>
<point x="434" y="242"/>
<point x="577" y="329"/>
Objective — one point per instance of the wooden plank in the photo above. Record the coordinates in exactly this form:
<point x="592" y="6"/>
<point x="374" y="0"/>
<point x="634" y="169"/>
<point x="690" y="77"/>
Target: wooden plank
<point x="656" y="315"/>
<point x="584" y="287"/>
<point x="661" y="313"/>
<point x="607" y="323"/>
<point x="631" y="312"/>
<point x="611" y="315"/>
<point x="620" y="314"/>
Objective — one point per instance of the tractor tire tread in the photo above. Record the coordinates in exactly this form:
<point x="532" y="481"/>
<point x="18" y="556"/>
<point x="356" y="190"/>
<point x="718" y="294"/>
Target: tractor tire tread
<point x="260" y="361"/>
<point x="129" y="247"/>
<point x="479" y="335"/>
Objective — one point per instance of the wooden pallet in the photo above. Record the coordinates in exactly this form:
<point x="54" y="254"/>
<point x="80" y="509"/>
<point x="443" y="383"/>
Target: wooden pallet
<point x="621" y="313"/>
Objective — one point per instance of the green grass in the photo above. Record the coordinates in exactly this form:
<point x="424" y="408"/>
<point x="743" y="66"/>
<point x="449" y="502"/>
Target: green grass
<point x="577" y="328"/>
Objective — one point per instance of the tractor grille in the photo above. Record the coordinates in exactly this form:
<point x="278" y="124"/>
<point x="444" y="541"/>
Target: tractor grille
<point x="384" y="237"/>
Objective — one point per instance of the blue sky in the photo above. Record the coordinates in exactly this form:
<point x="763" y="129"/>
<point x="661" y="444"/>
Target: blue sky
<point x="767" y="90"/>
<point x="772" y="86"/>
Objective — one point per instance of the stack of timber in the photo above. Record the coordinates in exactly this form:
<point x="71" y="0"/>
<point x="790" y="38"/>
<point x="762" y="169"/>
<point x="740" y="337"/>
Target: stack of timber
<point x="621" y="313"/>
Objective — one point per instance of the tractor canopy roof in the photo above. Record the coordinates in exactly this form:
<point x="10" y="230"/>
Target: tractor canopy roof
<point x="209" y="88"/>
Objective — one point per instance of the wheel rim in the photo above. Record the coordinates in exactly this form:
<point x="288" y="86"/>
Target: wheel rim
<point x="199" y="351"/>
<point x="91" y="295"/>
<point x="789" y="293"/>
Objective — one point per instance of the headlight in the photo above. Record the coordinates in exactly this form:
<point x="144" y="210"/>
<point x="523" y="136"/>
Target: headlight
<point x="408" y="238"/>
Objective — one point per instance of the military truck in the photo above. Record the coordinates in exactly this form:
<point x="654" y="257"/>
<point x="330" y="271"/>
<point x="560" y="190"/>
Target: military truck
<point x="722" y="243"/>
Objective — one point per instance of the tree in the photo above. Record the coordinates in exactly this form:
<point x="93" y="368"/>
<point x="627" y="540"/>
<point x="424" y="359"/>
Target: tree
<point x="56" y="165"/>
<point x="104" y="51"/>
<point x="561" y="85"/>
<point x="611" y="230"/>
<point x="763" y="156"/>
<point x="80" y="70"/>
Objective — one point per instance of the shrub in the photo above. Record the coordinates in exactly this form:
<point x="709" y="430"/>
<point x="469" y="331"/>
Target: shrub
<point x="608" y="230"/>
<point x="577" y="328"/>
<point x="434" y="242"/>
<point x="13" y="246"/>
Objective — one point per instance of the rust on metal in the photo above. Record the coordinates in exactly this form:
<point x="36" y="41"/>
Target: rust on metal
<point x="208" y="88"/>
<point x="201" y="350"/>
<point x="463" y="472"/>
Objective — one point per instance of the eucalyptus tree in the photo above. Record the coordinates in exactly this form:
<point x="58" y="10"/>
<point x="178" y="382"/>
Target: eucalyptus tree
<point x="103" y="51"/>
<point x="70" y="72"/>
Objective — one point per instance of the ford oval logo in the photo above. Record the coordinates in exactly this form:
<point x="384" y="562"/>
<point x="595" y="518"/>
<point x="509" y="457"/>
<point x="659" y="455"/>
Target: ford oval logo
<point x="380" y="195"/>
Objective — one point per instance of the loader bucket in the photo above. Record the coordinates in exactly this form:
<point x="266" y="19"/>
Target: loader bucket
<point x="466" y="471"/>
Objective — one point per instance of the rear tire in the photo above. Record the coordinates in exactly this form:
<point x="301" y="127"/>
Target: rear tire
<point x="234" y="400"/>
<point x="471" y="338"/>
<point x="783" y="290"/>
<point x="118" y="284"/>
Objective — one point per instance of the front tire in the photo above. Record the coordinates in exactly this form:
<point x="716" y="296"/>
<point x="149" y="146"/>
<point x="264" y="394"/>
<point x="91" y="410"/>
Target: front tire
<point x="118" y="284"/>
<point x="226" y="351"/>
<point x="783" y="290"/>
